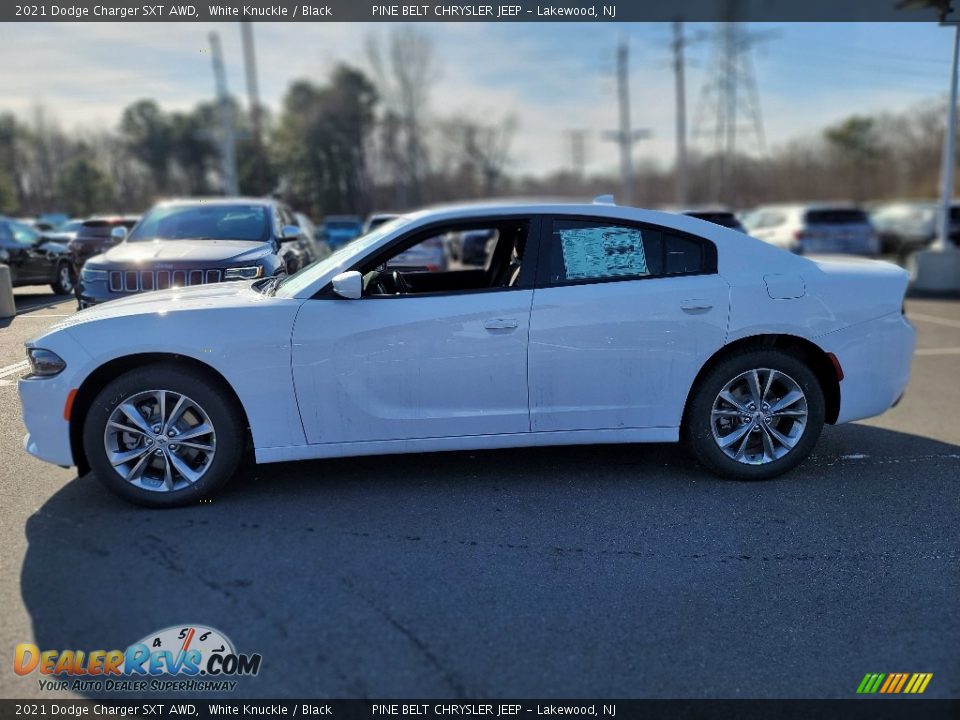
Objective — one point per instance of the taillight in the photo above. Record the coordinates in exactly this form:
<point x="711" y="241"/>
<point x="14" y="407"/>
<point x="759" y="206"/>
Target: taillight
<point x="798" y="234"/>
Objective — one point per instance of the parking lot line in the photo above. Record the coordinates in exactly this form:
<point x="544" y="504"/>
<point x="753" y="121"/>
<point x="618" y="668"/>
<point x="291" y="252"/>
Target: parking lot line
<point x="13" y="369"/>
<point x="938" y="351"/>
<point x="934" y="319"/>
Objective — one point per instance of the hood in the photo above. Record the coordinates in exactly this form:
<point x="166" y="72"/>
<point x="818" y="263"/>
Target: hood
<point x="185" y="251"/>
<point x="197" y="297"/>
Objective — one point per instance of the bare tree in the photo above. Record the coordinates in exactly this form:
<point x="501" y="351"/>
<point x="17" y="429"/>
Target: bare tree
<point x="479" y="152"/>
<point x="404" y="71"/>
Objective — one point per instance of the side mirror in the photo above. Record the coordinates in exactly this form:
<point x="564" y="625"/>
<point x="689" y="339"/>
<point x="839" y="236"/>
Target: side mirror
<point x="118" y="234"/>
<point x="289" y="233"/>
<point x="349" y="285"/>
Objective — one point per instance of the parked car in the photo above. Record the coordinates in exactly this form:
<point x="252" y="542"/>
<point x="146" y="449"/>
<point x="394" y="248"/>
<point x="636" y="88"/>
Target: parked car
<point x="471" y="247"/>
<point x="34" y="259"/>
<point x="720" y="216"/>
<point x="194" y="242"/>
<point x="591" y="324"/>
<point x="429" y="256"/>
<point x="338" y="230"/>
<point x="815" y="228"/>
<point x="906" y="226"/>
<point x="319" y="248"/>
<point x="65" y="232"/>
<point x="377" y="219"/>
<point x="96" y="235"/>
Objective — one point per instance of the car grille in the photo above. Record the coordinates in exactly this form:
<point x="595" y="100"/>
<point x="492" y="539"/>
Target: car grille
<point x="132" y="281"/>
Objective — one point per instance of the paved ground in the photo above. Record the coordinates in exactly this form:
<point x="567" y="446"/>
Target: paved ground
<point x="593" y="571"/>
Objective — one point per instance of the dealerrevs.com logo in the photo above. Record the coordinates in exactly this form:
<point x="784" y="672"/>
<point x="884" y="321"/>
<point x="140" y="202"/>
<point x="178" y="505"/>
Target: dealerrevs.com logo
<point x="178" y="658"/>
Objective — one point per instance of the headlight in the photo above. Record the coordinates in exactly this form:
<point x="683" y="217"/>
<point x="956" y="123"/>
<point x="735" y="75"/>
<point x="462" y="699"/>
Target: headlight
<point x="90" y="275"/>
<point x="44" y="363"/>
<point x="243" y="273"/>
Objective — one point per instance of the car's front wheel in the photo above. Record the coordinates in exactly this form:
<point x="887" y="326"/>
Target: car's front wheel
<point x="63" y="281"/>
<point x="163" y="436"/>
<point x="755" y="415"/>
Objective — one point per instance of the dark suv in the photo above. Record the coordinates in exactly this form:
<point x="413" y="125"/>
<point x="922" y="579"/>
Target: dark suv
<point x="95" y="236"/>
<point x="194" y="242"/>
<point x="33" y="259"/>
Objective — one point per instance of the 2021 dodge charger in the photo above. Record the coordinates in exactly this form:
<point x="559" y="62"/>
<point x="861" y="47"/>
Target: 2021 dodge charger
<point x="588" y="324"/>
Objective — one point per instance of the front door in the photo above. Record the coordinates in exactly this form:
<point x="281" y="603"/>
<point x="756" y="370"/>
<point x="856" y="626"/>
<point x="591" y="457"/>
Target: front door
<point x="419" y="356"/>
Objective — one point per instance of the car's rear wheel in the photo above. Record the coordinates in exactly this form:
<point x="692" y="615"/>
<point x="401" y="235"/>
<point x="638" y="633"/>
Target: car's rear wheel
<point x="63" y="281"/>
<point x="755" y="415"/>
<point x="163" y="436"/>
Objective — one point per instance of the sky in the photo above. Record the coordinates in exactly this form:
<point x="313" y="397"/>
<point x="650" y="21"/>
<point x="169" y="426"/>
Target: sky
<point x="552" y="77"/>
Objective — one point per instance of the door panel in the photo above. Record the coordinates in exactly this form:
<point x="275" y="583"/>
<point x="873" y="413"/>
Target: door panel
<point x="621" y="354"/>
<point x="413" y="367"/>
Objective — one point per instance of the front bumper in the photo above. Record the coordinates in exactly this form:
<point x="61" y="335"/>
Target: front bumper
<point x="48" y="432"/>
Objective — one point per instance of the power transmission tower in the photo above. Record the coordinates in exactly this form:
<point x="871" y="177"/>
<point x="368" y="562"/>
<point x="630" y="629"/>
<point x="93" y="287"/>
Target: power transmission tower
<point x="228" y="156"/>
<point x="578" y="152"/>
<point x="730" y="96"/>
<point x="256" y="111"/>
<point x="625" y="136"/>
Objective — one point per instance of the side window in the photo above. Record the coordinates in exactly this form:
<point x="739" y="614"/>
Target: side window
<point x="596" y="250"/>
<point x="583" y="250"/>
<point x="682" y="255"/>
<point x="23" y="235"/>
<point x="464" y="257"/>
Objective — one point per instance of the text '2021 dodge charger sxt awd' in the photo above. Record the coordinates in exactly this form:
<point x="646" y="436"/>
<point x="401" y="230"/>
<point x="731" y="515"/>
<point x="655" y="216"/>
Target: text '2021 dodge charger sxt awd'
<point x="588" y="324"/>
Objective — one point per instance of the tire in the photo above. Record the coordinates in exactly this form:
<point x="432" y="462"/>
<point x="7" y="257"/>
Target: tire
<point x="766" y="452"/>
<point x="162" y="472"/>
<point x="64" y="282"/>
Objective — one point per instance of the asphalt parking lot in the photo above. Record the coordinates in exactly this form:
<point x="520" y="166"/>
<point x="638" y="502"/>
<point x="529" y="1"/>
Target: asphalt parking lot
<point x="570" y="572"/>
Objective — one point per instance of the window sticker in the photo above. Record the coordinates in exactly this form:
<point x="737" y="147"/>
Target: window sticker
<point x="598" y="252"/>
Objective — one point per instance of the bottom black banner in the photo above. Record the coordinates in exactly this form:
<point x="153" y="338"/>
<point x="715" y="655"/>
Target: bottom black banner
<point x="854" y="709"/>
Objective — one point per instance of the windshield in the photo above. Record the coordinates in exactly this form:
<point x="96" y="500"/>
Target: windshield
<point x="214" y="221"/>
<point x="292" y="284"/>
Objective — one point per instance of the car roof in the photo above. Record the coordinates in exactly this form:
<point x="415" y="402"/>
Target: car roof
<point x="220" y="201"/>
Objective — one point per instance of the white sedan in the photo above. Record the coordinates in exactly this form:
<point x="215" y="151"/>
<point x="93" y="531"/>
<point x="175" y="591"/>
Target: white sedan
<point x="588" y="324"/>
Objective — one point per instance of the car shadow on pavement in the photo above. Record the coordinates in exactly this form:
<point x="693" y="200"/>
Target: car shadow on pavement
<point x="604" y="571"/>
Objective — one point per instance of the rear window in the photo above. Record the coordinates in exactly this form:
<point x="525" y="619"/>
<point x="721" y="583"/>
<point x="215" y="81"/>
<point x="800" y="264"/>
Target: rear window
<point x="835" y="217"/>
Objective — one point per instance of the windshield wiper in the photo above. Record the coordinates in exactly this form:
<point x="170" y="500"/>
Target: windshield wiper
<point x="269" y="286"/>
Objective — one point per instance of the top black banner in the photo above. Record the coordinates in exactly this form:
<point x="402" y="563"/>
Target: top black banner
<point x="493" y="11"/>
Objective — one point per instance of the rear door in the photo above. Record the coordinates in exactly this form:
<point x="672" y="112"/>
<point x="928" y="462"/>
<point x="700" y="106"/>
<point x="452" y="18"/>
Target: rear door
<point x="623" y="318"/>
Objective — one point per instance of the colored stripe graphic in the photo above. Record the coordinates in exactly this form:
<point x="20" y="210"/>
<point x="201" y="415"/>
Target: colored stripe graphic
<point x="894" y="683"/>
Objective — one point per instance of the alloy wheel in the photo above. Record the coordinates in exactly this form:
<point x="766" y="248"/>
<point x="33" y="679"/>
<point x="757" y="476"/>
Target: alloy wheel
<point x="759" y="416"/>
<point x="160" y="440"/>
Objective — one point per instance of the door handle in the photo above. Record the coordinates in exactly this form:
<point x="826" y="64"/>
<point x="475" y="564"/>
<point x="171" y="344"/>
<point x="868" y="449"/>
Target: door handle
<point x="501" y="324"/>
<point x="696" y="305"/>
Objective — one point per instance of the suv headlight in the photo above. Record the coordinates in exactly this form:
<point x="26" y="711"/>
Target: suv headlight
<point x="243" y="273"/>
<point x="90" y="275"/>
<point x="44" y="363"/>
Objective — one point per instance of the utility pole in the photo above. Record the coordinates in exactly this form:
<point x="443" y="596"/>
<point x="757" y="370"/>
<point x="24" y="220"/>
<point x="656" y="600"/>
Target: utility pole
<point x="228" y="156"/>
<point x="625" y="136"/>
<point x="253" y="98"/>
<point x="680" y="164"/>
